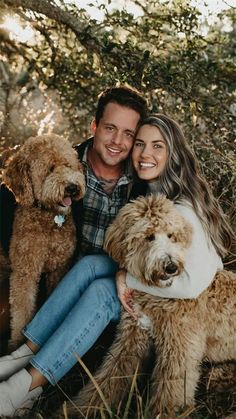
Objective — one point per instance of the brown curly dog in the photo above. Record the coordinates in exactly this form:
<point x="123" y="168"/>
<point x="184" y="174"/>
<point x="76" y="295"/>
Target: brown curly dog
<point x="44" y="176"/>
<point x="184" y="332"/>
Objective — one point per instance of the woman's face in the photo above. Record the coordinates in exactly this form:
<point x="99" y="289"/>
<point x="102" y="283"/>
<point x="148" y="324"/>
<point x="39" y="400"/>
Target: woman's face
<point x="149" y="153"/>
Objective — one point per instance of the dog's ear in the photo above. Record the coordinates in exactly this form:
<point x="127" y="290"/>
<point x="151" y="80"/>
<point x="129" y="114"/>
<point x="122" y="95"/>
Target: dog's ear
<point x="16" y="177"/>
<point x="185" y="233"/>
<point x="115" y="243"/>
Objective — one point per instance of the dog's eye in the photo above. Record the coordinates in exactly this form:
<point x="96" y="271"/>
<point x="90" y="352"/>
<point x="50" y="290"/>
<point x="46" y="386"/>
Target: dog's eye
<point x="151" y="237"/>
<point x="169" y="235"/>
<point x="52" y="168"/>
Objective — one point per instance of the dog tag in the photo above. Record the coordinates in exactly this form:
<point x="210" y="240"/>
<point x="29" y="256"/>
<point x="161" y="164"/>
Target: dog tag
<point x="59" y="220"/>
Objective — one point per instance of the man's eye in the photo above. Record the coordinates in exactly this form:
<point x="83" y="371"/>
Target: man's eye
<point x="151" y="237"/>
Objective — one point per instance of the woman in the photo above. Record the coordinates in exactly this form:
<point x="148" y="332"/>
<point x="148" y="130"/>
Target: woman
<point x="165" y="164"/>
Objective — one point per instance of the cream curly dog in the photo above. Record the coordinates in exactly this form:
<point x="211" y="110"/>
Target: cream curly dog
<point x="184" y="332"/>
<point x="44" y="176"/>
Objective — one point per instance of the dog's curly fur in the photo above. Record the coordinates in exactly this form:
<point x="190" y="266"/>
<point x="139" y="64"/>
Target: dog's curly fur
<point x="184" y="332"/>
<point x="44" y="176"/>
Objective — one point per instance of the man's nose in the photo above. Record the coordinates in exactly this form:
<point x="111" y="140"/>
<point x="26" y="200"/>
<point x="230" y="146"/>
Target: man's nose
<point x="117" y="137"/>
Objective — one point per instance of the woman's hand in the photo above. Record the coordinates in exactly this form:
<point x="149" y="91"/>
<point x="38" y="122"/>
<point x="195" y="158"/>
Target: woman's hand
<point x="125" y="294"/>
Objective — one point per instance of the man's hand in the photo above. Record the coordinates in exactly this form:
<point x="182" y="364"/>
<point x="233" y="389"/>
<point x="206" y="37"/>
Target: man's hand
<point x="125" y="294"/>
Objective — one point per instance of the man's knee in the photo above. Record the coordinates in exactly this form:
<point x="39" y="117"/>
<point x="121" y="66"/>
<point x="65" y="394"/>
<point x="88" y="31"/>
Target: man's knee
<point x="104" y="290"/>
<point x="106" y="286"/>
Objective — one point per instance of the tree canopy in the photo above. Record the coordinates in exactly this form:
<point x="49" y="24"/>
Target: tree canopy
<point x="162" y="51"/>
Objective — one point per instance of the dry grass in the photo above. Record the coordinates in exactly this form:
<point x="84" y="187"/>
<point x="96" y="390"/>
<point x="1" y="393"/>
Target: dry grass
<point x="216" y="397"/>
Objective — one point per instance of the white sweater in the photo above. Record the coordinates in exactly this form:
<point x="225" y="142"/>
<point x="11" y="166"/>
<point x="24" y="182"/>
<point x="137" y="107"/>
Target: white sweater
<point x="202" y="263"/>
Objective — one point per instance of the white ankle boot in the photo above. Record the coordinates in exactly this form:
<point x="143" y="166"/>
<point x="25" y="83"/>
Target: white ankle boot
<point x="14" y="362"/>
<point x="15" y="396"/>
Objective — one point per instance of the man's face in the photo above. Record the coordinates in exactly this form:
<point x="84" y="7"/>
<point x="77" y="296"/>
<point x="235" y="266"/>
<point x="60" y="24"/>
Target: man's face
<point x="114" y="134"/>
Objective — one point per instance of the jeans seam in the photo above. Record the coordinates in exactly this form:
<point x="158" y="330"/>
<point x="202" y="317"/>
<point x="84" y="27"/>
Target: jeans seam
<point x="71" y="350"/>
<point x="47" y="374"/>
<point x="31" y="337"/>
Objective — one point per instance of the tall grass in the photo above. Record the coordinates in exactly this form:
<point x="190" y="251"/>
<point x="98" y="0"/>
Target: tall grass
<point x="215" y="398"/>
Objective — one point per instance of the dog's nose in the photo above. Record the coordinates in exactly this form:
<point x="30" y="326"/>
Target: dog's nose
<point x="171" y="268"/>
<point x="71" y="189"/>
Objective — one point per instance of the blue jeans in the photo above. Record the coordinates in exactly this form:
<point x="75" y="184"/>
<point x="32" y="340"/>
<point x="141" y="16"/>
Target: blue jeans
<point x="74" y="316"/>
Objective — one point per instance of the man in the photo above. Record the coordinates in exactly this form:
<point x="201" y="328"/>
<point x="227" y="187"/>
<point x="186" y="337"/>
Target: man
<point x="107" y="167"/>
<point x="109" y="182"/>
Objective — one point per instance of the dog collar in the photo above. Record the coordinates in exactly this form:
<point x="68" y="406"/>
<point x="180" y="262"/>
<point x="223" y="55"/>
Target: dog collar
<point x="59" y="220"/>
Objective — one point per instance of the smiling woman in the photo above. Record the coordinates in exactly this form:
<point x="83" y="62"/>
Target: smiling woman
<point x="149" y="152"/>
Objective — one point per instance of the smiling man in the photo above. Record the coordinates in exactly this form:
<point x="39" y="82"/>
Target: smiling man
<point x="113" y="139"/>
<point x="108" y="169"/>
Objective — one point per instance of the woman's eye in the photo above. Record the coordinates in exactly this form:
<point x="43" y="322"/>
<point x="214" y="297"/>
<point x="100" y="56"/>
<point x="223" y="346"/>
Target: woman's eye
<point x="151" y="237"/>
<point x="137" y="144"/>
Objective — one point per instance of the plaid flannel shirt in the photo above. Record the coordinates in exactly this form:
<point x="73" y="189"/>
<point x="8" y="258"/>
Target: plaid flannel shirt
<point x="100" y="208"/>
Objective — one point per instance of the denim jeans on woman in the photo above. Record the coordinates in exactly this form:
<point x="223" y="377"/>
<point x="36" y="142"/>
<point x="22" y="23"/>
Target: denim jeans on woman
<point x="74" y="316"/>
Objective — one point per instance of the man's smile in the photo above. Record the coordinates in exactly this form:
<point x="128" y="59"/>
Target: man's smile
<point x="114" y="150"/>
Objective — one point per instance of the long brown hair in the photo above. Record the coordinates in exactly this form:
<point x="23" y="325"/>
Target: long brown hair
<point x="182" y="179"/>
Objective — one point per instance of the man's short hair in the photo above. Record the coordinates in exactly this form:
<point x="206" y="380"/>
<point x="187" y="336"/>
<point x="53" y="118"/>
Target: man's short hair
<point x="123" y="95"/>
